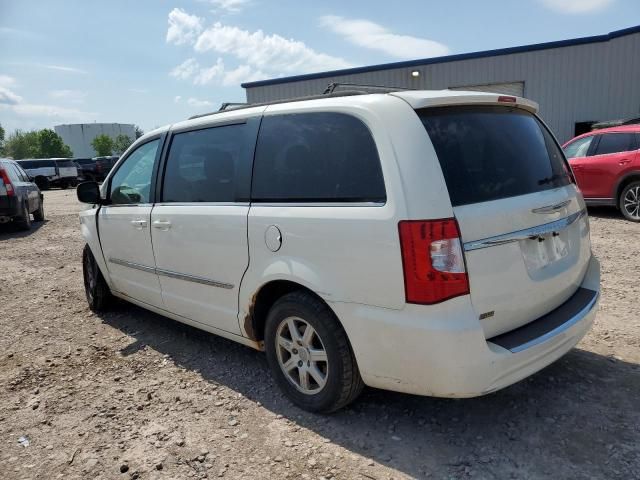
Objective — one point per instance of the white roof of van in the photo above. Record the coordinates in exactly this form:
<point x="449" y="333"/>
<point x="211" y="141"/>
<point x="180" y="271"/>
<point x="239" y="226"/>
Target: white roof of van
<point x="434" y="98"/>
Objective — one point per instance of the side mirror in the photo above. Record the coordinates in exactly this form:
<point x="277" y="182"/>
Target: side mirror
<point x="88" y="192"/>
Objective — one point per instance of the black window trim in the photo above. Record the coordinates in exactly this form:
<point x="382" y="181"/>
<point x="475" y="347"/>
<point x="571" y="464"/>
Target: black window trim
<point x="634" y="143"/>
<point x="156" y="162"/>
<point x="320" y="202"/>
<point x="249" y="120"/>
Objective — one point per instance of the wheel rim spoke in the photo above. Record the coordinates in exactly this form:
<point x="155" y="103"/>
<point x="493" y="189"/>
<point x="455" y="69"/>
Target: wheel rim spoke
<point x="304" y="378"/>
<point x="293" y="330"/>
<point x="284" y="343"/>
<point x="317" y="355"/>
<point x="317" y="375"/>
<point x="289" y="365"/>
<point x="307" y="336"/>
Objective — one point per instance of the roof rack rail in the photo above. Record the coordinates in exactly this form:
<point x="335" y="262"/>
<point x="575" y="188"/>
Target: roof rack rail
<point x="226" y="105"/>
<point x="346" y="93"/>
<point x="331" y="88"/>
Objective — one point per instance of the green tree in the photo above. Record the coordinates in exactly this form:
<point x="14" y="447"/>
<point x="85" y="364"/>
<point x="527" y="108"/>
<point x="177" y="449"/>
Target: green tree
<point x="139" y="132"/>
<point x="36" y="144"/>
<point x="121" y="143"/>
<point x="103" y="145"/>
<point x="51" y="145"/>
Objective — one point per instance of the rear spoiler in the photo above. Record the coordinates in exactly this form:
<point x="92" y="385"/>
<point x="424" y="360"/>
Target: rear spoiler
<point x="442" y="98"/>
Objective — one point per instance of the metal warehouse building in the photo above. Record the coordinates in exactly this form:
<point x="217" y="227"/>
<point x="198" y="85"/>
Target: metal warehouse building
<point x="80" y="135"/>
<point x="576" y="82"/>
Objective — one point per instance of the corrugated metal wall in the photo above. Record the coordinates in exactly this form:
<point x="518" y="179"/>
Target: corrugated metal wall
<point x="578" y="83"/>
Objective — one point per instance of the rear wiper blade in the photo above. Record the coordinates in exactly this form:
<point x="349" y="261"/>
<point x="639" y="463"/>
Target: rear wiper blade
<point x="552" y="178"/>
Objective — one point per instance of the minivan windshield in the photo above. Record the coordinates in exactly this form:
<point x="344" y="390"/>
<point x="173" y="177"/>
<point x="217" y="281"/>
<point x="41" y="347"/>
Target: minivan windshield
<point x="493" y="152"/>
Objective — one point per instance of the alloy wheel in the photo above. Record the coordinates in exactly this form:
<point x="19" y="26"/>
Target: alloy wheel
<point x="631" y="202"/>
<point x="301" y="355"/>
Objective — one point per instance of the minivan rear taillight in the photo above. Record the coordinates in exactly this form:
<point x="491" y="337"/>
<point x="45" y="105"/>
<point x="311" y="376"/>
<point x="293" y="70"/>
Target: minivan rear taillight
<point x="4" y="178"/>
<point x="432" y="260"/>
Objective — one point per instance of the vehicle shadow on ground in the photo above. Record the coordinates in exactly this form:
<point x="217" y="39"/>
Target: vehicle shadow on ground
<point x="542" y="426"/>
<point x="9" y="230"/>
<point x="606" y="212"/>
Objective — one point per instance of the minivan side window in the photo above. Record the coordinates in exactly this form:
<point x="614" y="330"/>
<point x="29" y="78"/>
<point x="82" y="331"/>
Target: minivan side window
<point x="316" y="157"/>
<point x="131" y="184"/>
<point x="615" y="143"/>
<point x="208" y="165"/>
<point x="579" y="148"/>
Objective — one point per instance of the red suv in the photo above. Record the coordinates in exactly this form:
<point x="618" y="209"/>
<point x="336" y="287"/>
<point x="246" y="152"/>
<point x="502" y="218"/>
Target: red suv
<point x="606" y="164"/>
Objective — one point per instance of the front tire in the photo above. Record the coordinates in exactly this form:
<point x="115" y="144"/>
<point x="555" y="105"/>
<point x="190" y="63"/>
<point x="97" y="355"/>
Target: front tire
<point x="64" y="185"/>
<point x="309" y="354"/>
<point x="38" y="215"/>
<point x="96" y="289"/>
<point x="629" y="201"/>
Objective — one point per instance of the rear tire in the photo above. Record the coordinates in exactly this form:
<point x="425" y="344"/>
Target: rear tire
<point x="38" y="215"/>
<point x="629" y="201"/>
<point x="325" y="384"/>
<point x="96" y="289"/>
<point x="43" y="183"/>
<point x="24" y="221"/>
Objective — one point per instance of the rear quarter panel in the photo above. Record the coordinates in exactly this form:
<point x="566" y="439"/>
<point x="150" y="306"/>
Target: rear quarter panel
<point x="351" y="252"/>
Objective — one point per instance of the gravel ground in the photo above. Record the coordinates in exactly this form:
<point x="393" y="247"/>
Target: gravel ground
<point x="131" y="394"/>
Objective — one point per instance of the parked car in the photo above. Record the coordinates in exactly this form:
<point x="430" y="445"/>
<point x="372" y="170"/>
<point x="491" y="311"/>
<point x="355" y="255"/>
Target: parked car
<point x="19" y="196"/>
<point x="433" y="243"/>
<point x="51" y="172"/>
<point x="86" y="168"/>
<point x="104" y="166"/>
<point x="606" y="164"/>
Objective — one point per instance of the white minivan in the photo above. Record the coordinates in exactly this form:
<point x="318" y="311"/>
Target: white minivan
<point x="429" y="242"/>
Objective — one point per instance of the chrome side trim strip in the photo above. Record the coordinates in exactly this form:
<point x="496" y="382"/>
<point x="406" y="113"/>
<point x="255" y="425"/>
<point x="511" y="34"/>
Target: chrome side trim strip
<point x="559" y="329"/>
<point x="193" y="278"/>
<point x="552" y="208"/>
<point x="526" y="234"/>
<point x="171" y="274"/>
<point x="137" y="266"/>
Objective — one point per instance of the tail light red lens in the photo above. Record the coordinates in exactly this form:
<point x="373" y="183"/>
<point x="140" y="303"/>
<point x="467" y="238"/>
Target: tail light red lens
<point x="7" y="182"/>
<point x="432" y="260"/>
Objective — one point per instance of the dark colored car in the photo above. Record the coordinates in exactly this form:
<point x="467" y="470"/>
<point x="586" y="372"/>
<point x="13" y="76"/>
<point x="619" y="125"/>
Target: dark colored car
<point x="86" y="169"/>
<point x="104" y="166"/>
<point x="606" y="164"/>
<point x="19" y="196"/>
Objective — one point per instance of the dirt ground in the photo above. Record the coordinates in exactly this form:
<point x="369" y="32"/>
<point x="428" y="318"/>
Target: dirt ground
<point x="131" y="394"/>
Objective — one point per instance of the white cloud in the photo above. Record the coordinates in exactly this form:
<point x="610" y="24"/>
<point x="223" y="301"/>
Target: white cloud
<point x="7" y="81"/>
<point x="177" y="99"/>
<point x="7" y="97"/>
<point x="186" y="69"/>
<point x="183" y="28"/>
<point x="244" y="73"/>
<point x="194" y="102"/>
<point x="216" y="74"/>
<point x="365" y="33"/>
<point x="62" y="68"/>
<point x="72" y="96"/>
<point x="576" y="6"/>
<point x="263" y="51"/>
<point x="207" y="75"/>
<point x="231" y="6"/>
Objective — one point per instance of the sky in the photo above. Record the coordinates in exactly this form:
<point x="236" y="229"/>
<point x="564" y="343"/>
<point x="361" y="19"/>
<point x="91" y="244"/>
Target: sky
<point x="155" y="62"/>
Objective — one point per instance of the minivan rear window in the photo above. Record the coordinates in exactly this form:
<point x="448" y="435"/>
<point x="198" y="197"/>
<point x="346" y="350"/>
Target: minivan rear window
<point x="491" y="152"/>
<point x="64" y="163"/>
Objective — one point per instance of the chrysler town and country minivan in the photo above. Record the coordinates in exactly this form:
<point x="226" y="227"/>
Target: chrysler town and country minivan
<point x="429" y="242"/>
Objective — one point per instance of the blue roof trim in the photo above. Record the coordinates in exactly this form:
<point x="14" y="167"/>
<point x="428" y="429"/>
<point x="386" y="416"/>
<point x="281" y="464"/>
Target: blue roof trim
<point x="448" y="58"/>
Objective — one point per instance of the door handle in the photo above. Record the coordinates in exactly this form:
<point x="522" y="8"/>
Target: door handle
<point x="624" y="161"/>
<point x="162" y="224"/>
<point x="139" y="224"/>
